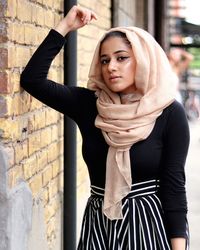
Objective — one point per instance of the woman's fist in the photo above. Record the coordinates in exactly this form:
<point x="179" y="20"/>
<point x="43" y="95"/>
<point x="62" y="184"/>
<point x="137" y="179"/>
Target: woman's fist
<point x="76" y="18"/>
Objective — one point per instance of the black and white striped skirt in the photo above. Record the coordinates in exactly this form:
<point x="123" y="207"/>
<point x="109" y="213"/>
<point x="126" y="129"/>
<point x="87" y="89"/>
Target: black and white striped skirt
<point x="141" y="228"/>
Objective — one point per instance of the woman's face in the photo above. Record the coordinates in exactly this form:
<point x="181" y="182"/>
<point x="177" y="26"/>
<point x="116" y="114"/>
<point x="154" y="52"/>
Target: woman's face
<point x="118" y="65"/>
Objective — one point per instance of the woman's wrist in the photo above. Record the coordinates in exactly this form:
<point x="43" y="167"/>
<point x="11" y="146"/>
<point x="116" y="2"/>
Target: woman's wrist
<point x="62" y="28"/>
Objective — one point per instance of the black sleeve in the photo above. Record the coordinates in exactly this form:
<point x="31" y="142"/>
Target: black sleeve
<point x="34" y="80"/>
<point x="173" y="193"/>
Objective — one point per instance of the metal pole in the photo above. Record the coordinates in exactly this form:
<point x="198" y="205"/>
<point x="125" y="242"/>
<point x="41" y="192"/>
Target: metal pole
<point x="70" y="79"/>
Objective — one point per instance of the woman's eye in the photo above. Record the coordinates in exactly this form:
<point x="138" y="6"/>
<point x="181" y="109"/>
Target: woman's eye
<point x="122" y="58"/>
<point x="104" y="61"/>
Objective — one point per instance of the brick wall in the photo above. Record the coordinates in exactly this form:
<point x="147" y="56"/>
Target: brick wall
<point x="30" y="132"/>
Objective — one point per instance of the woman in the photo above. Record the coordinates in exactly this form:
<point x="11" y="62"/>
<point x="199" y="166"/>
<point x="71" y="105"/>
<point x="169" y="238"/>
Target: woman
<point x="135" y="137"/>
<point x="180" y="61"/>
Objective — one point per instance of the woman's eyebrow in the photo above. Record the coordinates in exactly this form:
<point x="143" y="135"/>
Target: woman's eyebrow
<point x="116" y="52"/>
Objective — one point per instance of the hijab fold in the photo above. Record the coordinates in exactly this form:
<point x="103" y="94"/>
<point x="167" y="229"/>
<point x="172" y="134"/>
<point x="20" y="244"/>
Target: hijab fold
<point x="127" y="119"/>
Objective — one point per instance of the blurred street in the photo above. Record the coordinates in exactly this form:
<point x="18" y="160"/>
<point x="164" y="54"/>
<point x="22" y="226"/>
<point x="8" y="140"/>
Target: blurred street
<point x="193" y="185"/>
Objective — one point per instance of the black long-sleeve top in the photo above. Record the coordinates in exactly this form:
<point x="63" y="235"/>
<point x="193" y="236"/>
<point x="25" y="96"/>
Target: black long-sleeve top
<point x="161" y="156"/>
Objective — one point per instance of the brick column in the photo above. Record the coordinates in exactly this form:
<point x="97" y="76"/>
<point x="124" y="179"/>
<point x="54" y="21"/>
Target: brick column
<point x="31" y="133"/>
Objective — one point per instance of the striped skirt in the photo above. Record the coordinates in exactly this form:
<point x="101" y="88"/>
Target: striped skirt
<point x="140" y="229"/>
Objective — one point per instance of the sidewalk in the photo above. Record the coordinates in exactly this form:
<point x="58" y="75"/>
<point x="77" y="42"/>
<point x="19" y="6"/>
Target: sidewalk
<point x="193" y="185"/>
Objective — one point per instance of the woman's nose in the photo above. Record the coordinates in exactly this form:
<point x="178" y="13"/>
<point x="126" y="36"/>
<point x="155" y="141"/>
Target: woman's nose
<point x="112" y="65"/>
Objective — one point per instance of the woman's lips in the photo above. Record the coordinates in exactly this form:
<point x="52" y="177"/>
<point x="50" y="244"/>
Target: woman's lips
<point x="114" y="78"/>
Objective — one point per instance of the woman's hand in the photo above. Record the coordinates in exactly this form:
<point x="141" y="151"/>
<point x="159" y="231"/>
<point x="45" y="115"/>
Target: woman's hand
<point x="76" y="18"/>
<point x="178" y="243"/>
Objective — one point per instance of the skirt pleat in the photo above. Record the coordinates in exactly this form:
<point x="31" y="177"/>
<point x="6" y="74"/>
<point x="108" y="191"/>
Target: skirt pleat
<point x="141" y="228"/>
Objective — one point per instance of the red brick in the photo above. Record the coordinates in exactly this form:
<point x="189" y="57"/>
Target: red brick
<point x="4" y="86"/>
<point x="3" y="32"/>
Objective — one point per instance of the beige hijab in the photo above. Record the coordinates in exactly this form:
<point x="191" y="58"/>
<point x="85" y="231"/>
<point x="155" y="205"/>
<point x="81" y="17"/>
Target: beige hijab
<point x="123" y="125"/>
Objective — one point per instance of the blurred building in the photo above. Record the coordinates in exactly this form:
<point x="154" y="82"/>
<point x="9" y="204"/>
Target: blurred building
<point x="181" y="32"/>
<point x="186" y="35"/>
